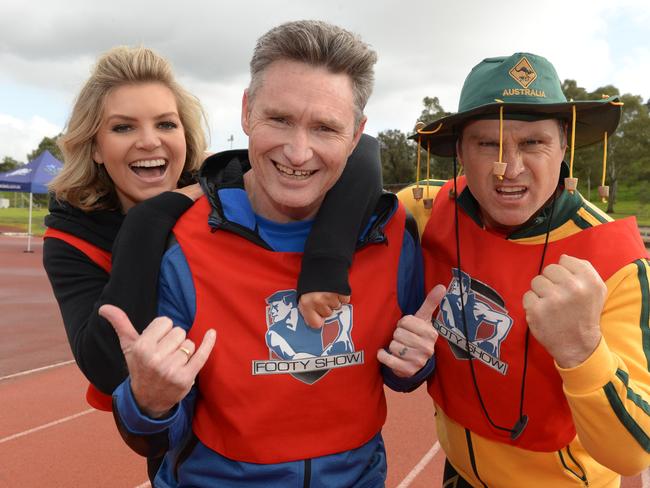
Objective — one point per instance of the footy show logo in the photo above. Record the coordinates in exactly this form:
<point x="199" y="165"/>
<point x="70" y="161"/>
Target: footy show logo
<point x="486" y="319"/>
<point x="295" y="348"/>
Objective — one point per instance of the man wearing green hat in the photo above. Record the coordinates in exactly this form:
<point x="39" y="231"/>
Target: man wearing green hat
<point x="542" y="361"/>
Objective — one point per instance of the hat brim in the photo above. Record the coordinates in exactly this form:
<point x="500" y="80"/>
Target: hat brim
<point x="593" y="119"/>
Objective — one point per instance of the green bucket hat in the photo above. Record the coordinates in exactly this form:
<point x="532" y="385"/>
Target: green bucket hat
<point x="528" y="88"/>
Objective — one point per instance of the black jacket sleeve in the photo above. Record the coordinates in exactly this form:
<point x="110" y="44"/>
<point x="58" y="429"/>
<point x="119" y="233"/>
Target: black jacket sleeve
<point x="343" y="216"/>
<point x="81" y="287"/>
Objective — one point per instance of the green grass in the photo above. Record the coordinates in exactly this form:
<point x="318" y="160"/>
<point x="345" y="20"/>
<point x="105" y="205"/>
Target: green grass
<point x="629" y="207"/>
<point x="17" y="218"/>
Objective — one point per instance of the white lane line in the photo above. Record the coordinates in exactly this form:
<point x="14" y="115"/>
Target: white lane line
<point x="36" y="370"/>
<point x="45" y="426"/>
<point x="426" y="459"/>
<point x="146" y="484"/>
<point x="645" y="478"/>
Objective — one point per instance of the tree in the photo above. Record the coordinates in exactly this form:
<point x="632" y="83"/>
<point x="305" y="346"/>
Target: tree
<point x="8" y="164"/>
<point x="628" y="151"/>
<point x="47" y="143"/>
<point x="440" y="168"/>
<point x="397" y="157"/>
<point x="572" y="91"/>
<point x="432" y="110"/>
<point x="630" y="145"/>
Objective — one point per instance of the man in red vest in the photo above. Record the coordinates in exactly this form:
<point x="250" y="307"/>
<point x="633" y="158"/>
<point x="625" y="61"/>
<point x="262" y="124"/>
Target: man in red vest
<point x="276" y="403"/>
<point x="542" y="362"/>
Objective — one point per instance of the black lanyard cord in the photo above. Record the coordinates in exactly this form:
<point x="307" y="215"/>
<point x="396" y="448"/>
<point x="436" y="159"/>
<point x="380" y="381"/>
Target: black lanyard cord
<point x="522" y="421"/>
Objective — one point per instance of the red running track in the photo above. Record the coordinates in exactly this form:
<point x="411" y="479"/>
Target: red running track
<point x="49" y="436"/>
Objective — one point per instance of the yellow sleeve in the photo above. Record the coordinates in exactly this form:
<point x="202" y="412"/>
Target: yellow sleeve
<point x="609" y="393"/>
<point x="416" y="207"/>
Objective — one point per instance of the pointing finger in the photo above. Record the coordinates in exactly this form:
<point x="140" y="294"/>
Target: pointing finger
<point x="431" y="302"/>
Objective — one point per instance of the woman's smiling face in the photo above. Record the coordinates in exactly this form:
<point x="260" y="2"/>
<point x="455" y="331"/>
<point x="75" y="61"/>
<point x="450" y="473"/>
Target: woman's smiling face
<point x="141" y="141"/>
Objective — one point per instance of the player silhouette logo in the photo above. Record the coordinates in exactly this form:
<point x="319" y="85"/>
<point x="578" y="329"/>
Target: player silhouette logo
<point x="288" y="336"/>
<point x="487" y="320"/>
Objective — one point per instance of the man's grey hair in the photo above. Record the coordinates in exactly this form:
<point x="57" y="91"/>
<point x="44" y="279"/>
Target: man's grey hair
<point x="317" y="43"/>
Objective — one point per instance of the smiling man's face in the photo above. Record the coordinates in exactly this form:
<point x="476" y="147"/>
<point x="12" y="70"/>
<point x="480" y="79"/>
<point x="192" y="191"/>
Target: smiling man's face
<point x="534" y="153"/>
<point x="301" y="128"/>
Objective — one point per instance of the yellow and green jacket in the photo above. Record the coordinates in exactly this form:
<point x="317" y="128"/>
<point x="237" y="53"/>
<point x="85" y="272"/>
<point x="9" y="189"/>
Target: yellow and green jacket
<point x="608" y="395"/>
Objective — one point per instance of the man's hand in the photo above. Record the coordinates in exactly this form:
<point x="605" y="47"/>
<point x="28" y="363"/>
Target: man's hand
<point x="563" y="309"/>
<point x="414" y="338"/>
<point x="162" y="362"/>
<point x="316" y="306"/>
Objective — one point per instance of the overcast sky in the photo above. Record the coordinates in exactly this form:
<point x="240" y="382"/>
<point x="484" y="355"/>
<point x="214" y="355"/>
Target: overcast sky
<point x="425" y="48"/>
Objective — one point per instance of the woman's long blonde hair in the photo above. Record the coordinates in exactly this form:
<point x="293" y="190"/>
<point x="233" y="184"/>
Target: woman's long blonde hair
<point x="83" y="183"/>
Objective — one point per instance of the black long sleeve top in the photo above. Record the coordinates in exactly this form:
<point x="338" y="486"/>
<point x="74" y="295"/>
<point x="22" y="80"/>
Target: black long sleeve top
<point x="81" y="287"/>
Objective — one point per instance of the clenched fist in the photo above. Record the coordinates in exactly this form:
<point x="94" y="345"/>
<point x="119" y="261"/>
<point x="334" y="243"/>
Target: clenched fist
<point x="563" y="308"/>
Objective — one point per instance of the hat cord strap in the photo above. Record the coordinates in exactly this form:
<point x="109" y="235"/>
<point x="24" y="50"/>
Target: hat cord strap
<point x="499" y="167"/>
<point x="501" y="134"/>
<point x="603" y="190"/>
<point x="417" y="176"/>
<point x="429" y="132"/>
<point x="571" y="183"/>
<point x="573" y="139"/>
<point x="604" y="157"/>
<point x="428" y="164"/>
<point x="417" y="191"/>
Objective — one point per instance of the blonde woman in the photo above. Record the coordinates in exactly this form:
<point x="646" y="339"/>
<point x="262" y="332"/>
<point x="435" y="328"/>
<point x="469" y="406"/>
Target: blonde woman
<point x="134" y="133"/>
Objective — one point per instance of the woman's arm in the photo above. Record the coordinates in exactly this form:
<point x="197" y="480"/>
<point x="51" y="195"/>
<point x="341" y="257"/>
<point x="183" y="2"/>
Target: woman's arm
<point x="78" y="283"/>
<point x="81" y="287"/>
<point x="137" y="253"/>
<point x="342" y="217"/>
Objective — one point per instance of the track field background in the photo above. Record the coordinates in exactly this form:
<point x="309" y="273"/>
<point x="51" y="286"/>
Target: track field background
<point x="50" y="437"/>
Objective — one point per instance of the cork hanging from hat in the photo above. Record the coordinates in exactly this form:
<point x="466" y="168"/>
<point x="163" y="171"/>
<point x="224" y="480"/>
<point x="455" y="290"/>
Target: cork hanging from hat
<point x="428" y="201"/>
<point x="603" y="189"/>
<point x="499" y="167"/>
<point x="571" y="183"/>
<point x="418" y="191"/>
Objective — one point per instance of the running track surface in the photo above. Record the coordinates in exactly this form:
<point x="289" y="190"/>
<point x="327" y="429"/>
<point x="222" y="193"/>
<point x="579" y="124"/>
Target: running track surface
<point x="50" y="437"/>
